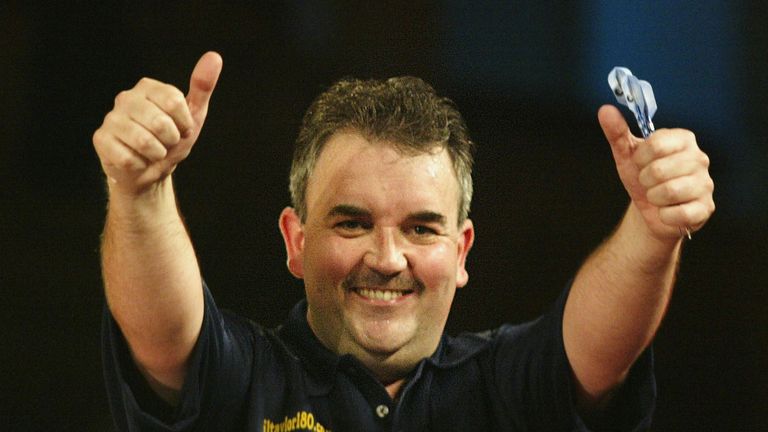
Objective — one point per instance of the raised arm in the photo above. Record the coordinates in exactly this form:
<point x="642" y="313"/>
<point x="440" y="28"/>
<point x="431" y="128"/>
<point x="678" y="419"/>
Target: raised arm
<point x="621" y="292"/>
<point x="151" y="277"/>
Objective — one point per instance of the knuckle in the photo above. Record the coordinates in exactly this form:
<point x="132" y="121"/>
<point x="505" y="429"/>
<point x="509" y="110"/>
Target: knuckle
<point x="174" y="100"/>
<point x="97" y="137"/>
<point x="689" y="135"/>
<point x="710" y="184"/>
<point x="121" y="97"/>
<point x="163" y="128"/>
<point x="685" y="135"/>
<point x="178" y="94"/>
<point x="145" y="81"/>
<point x="158" y="124"/>
<point x="142" y="140"/>
<point x="656" y="148"/>
<point x="689" y="212"/>
<point x="651" y="143"/>
<point x="110" y="119"/>
<point x="671" y="189"/>
<point x="125" y="162"/>
<point x="645" y="179"/>
<point x="704" y="159"/>
<point x="656" y="171"/>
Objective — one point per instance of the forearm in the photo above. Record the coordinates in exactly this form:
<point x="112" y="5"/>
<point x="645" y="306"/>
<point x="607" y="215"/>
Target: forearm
<point x="151" y="277"/>
<point x="152" y="280"/>
<point x="616" y="304"/>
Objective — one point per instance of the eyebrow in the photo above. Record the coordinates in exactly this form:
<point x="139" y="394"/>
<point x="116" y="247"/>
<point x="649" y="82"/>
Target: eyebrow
<point x="428" y="217"/>
<point x="347" y="210"/>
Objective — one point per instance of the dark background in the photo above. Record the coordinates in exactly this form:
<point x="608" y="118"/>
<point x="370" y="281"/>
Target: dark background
<point x="528" y="78"/>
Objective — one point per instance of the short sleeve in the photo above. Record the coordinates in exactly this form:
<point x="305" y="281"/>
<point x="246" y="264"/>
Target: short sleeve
<point x="215" y="387"/>
<point x="535" y="380"/>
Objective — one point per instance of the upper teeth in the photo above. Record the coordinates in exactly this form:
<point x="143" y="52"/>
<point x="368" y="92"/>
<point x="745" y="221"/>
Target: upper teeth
<point x="379" y="294"/>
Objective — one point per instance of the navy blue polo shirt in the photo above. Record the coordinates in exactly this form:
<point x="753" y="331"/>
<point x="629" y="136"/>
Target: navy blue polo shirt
<point x="243" y="377"/>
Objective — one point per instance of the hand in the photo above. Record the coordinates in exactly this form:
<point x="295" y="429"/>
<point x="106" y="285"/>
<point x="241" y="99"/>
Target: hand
<point x="152" y="128"/>
<point x="666" y="175"/>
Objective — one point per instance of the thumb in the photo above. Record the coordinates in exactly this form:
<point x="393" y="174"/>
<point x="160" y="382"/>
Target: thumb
<point x="616" y="132"/>
<point x="623" y="145"/>
<point x="202" y="82"/>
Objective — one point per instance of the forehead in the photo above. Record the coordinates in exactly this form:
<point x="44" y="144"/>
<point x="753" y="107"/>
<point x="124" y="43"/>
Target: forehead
<point x="376" y="175"/>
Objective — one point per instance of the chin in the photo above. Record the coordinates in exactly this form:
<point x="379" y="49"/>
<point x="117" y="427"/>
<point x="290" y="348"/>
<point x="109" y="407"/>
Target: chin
<point x="382" y="341"/>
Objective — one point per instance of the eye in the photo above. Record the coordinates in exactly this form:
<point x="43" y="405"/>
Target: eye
<point x="422" y="230"/>
<point x="351" y="226"/>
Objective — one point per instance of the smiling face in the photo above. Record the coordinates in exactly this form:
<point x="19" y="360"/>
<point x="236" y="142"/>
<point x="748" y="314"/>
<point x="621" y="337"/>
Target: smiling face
<point x="380" y="251"/>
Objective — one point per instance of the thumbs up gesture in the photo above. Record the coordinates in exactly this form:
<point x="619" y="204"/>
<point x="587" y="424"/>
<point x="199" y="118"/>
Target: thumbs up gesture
<point x="153" y="127"/>
<point x="666" y="176"/>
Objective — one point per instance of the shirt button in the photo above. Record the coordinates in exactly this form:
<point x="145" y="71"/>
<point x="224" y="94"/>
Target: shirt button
<point x="382" y="411"/>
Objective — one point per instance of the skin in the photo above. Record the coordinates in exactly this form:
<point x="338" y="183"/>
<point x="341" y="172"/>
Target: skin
<point x="151" y="278"/>
<point x="378" y="220"/>
<point x="621" y="292"/>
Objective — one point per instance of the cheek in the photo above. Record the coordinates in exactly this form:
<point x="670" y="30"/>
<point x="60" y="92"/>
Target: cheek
<point x="330" y="260"/>
<point x="436" y="265"/>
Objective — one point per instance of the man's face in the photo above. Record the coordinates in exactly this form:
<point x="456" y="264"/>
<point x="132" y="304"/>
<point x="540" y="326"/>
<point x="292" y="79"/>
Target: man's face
<point x="380" y="251"/>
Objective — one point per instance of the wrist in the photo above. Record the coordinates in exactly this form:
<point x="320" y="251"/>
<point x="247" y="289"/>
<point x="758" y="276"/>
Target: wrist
<point x="154" y="205"/>
<point x="645" y="242"/>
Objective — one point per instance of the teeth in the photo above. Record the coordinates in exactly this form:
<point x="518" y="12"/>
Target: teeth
<point x="385" y="295"/>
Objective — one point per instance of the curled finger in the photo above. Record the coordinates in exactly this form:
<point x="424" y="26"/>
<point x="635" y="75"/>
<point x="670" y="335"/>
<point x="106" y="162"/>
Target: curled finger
<point x="662" y="143"/>
<point x="678" y="191"/>
<point x="117" y="159"/>
<point x="172" y="102"/>
<point x="665" y="169"/>
<point x="692" y="214"/>
<point x="136" y="136"/>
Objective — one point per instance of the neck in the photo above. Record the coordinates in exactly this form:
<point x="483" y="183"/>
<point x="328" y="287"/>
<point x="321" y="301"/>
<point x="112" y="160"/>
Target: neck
<point x="393" y="388"/>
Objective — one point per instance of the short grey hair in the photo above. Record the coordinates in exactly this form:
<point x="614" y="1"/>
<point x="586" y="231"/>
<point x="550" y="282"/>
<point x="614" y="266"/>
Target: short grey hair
<point x="404" y="111"/>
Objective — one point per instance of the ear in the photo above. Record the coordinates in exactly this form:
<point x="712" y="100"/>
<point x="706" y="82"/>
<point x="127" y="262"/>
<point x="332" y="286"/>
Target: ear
<point x="293" y="236"/>
<point x="466" y="239"/>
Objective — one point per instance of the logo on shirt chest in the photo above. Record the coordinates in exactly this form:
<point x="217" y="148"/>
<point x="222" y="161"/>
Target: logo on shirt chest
<point x="301" y="421"/>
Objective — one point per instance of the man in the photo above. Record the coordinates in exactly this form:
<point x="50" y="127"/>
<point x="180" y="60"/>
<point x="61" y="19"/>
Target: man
<point x="379" y="233"/>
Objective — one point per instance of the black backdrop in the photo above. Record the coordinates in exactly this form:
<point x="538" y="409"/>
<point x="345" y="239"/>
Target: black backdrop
<point x="546" y="191"/>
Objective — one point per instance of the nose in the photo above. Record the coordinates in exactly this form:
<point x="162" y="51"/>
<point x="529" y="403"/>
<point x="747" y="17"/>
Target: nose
<point x="386" y="255"/>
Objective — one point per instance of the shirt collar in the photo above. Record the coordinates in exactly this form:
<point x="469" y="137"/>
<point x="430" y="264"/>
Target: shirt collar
<point x="323" y="364"/>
